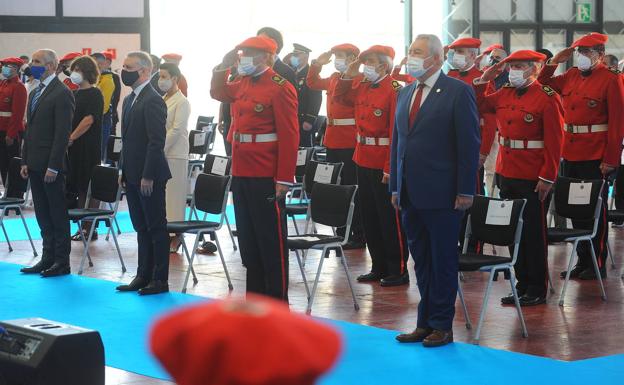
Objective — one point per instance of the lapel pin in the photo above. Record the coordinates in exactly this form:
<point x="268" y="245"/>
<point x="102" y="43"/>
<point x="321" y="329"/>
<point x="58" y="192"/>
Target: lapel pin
<point x="438" y="90"/>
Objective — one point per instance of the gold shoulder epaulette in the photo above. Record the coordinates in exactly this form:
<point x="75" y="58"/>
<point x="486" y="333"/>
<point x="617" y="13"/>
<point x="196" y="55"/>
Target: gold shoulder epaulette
<point x="396" y="85"/>
<point x="278" y="79"/>
<point x="549" y="91"/>
<point x="615" y="71"/>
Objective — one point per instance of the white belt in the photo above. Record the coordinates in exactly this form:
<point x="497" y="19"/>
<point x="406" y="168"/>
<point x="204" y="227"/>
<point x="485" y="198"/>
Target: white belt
<point x="574" y="129"/>
<point x="255" y="138"/>
<point x="371" y="141"/>
<point x="520" y="144"/>
<point x="342" y="122"/>
<point x="5" y="114"/>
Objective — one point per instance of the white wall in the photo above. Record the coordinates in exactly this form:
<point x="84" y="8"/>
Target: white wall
<point x="28" y="8"/>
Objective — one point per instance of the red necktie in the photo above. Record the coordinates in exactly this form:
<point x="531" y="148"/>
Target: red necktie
<point x="416" y="106"/>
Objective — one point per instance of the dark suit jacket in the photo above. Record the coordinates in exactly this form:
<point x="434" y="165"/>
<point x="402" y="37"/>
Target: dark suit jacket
<point x="143" y="134"/>
<point x="438" y="157"/>
<point x="48" y="129"/>
<point x="284" y="70"/>
<point x="309" y="100"/>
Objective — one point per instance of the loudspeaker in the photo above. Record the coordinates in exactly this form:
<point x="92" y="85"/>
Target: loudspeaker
<point x="35" y="351"/>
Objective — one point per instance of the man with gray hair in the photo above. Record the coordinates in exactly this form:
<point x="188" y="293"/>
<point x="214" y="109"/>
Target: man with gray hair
<point x="145" y="172"/>
<point x="50" y="112"/>
<point x="435" y="152"/>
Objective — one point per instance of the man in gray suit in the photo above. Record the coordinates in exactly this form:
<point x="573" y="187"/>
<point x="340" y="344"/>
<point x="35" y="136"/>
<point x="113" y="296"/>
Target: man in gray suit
<point x="50" y="111"/>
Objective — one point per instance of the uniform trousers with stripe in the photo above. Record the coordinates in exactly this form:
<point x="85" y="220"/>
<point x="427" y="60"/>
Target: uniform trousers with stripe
<point x="386" y="241"/>
<point x="262" y="231"/>
<point x="532" y="264"/>
<point x="590" y="169"/>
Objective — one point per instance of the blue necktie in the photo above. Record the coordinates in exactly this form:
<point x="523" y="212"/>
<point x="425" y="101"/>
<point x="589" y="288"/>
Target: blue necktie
<point x="35" y="97"/>
<point x="127" y="107"/>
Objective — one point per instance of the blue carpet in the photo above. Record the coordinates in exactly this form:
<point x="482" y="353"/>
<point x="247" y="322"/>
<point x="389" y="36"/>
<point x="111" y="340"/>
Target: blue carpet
<point x="371" y="355"/>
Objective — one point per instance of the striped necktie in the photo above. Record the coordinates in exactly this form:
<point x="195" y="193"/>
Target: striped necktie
<point x="36" y="95"/>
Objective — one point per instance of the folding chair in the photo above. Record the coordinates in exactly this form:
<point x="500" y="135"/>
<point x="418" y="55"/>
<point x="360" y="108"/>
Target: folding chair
<point x="574" y="201"/>
<point x="104" y="187"/>
<point x="331" y="205"/>
<point x="113" y="153"/>
<point x="321" y="172"/>
<point x="198" y="147"/>
<point x="15" y="184"/>
<point x="203" y="121"/>
<point x="613" y="216"/>
<point x="304" y="155"/>
<point x="210" y="196"/>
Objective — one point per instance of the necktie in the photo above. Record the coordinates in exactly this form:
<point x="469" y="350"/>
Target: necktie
<point x="127" y="107"/>
<point x="416" y="106"/>
<point x="36" y="96"/>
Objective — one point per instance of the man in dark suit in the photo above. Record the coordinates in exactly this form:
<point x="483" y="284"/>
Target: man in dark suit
<point x="145" y="173"/>
<point x="279" y="66"/>
<point x="50" y="111"/>
<point x="435" y="153"/>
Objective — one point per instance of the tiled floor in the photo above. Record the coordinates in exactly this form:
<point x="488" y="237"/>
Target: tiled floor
<point x="585" y="327"/>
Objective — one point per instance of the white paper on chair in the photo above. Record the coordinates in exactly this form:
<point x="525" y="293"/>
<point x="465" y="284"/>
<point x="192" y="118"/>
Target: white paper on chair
<point x="499" y="213"/>
<point x="580" y="193"/>
<point x="304" y="238"/>
<point x="117" y="144"/>
<point x="219" y="166"/>
<point x="324" y="173"/>
<point x="200" y="138"/>
<point x="301" y="157"/>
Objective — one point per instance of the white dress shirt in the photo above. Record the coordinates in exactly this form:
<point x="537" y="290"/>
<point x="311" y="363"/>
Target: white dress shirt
<point x="429" y="83"/>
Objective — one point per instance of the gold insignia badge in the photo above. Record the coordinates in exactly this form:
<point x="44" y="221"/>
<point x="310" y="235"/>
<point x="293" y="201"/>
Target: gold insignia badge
<point x="259" y="108"/>
<point x="528" y="118"/>
<point x="549" y="91"/>
<point x="378" y="112"/>
<point x="396" y="85"/>
<point x="591" y="103"/>
<point x="278" y="79"/>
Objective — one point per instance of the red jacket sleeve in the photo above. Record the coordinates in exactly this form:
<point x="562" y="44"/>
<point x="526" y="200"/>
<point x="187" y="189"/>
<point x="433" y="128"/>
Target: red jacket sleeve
<point x="553" y="138"/>
<point x="18" y="109"/>
<point x="555" y="82"/>
<point x="287" y="127"/>
<point x="486" y="100"/>
<point x="346" y="90"/>
<point x="314" y="80"/>
<point x="220" y="88"/>
<point x="615" y="104"/>
<point x="397" y="75"/>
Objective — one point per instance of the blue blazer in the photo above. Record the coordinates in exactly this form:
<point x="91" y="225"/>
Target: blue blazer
<point x="143" y="131"/>
<point x="438" y="157"/>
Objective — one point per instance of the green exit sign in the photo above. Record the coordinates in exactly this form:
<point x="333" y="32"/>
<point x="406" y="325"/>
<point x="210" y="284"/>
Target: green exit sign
<point x="583" y="13"/>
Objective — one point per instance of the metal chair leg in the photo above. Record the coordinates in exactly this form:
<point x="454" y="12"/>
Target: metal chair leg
<point x="225" y="269"/>
<point x="188" y="271"/>
<point x="227" y="223"/>
<point x="597" y="270"/>
<point x="567" y="277"/>
<point x="123" y="265"/>
<point x="86" y="242"/>
<point x="512" y="282"/>
<point x="188" y="259"/>
<point x="316" y="281"/>
<point x="294" y="221"/>
<point x="486" y="297"/>
<point x="460" y="291"/>
<point x="6" y="236"/>
<point x="343" y="260"/>
<point x="19" y="210"/>
<point x="550" y="281"/>
<point x="610" y="253"/>
<point x="303" y="275"/>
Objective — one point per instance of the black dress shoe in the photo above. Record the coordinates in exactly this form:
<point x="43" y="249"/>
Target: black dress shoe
<point x="509" y="299"/>
<point x="353" y="245"/>
<point x="418" y="335"/>
<point x="578" y="269"/>
<point x="136" y="284"/>
<point x="589" y="273"/>
<point x="207" y="248"/>
<point x="155" y="287"/>
<point x="38" y="268"/>
<point x="531" y="300"/>
<point x="438" y="338"/>
<point x="56" y="270"/>
<point x="369" y="277"/>
<point x="395" y="280"/>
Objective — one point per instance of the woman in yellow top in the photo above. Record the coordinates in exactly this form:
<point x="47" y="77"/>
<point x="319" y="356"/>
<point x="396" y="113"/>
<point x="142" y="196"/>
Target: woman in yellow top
<point x="107" y="87"/>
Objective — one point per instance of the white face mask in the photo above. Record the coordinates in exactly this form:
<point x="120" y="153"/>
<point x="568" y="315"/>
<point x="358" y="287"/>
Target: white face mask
<point x="458" y="61"/>
<point x="165" y="84"/>
<point x="416" y="66"/>
<point x="583" y="62"/>
<point x="370" y="73"/>
<point x="76" y="78"/>
<point x="246" y="66"/>
<point x="341" y="65"/>
<point x="516" y="78"/>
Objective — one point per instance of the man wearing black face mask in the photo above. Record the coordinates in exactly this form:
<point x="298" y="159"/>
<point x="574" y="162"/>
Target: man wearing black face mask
<point x="63" y="68"/>
<point x="145" y="173"/>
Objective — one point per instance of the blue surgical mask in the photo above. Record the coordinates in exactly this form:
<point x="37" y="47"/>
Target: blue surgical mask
<point x="416" y="66"/>
<point x="341" y="65"/>
<point x="294" y="61"/>
<point x="370" y="73"/>
<point x="246" y="66"/>
<point x="6" y="72"/>
<point x="37" y="71"/>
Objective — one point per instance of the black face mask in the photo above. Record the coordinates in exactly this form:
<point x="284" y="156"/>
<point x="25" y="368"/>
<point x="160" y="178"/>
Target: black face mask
<point x="129" y="77"/>
<point x="66" y="71"/>
<point x="27" y="72"/>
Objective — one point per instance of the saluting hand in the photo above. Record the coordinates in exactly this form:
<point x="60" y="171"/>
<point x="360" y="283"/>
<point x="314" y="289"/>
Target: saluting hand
<point x="324" y="58"/>
<point x="542" y="189"/>
<point x="562" y="56"/>
<point x="230" y="59"/>
<point x="492" y="72"/>
<point x="354" y="69"/>
<point x="403" y="62"/>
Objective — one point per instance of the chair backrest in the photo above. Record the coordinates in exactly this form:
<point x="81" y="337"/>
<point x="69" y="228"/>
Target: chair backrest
<point x="332" y="204"/>
<point x="211" y="193"/>
<point x="203" y="121"/>
<point x="198" y="142"/>
<point x="217" y="165"/>
<point x="304" y="155"/>
<point x="495" y="221"/>
<point x="16" y="185"/>
<point x="321" y="172"/>
<point x="113" y="148"/>
<point x="578" y="199"/>
<point x="104" y="184"/>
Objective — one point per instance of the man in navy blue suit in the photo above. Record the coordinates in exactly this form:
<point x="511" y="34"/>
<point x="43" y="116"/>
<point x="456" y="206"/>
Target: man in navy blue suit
<point x="145" y="173"/>
<point x="435" y="153"/>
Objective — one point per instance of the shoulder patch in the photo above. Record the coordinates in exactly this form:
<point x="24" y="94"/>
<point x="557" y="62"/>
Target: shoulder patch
<point x="278" y="79"/>
<point x="396" y="85"/>
<point x="615" y="71"/>
<point x="549" y="91"/>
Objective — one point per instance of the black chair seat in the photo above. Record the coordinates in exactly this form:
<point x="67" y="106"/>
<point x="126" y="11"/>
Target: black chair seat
<point x="473" y="261"/>
<point x="615" y="215"/>
<point x="307" y="241"/>
<point x="560" y="235"/>
<point x="11" y="201"/>
<point x="296" y="209"/>
<point x="79" y="214"/>
<point x="190" y="226"/>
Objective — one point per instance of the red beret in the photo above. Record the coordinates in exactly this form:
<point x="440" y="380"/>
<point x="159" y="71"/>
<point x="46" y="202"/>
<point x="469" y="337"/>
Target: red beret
<point x="258" y="342"/>
<point x="12" y="61"/>
<point x="108" y="55"/>
<point x="261" y="43"/>
<point x="346" y="47"/>
<point x="71" y="56"/>
<point x="524" y="55"/>
<point x="466" y="42"/>
<point x="173" y="56"/>
<point x="590" y="40"/>
<point x="378" y="49"/>
<point x="493" y="47"/>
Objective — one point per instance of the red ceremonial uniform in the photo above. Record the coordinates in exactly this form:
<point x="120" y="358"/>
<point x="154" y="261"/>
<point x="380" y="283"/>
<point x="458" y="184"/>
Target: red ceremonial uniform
<point x="13" y="98"/>
<point x="70" y="84"/>
<point x="590" y="99"/>
<point x="375" y="104"/>
<point x="261" y="105"/>
<point x="341" y="131"/>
